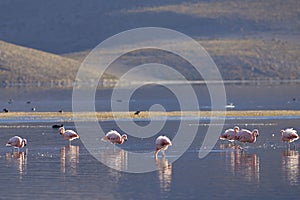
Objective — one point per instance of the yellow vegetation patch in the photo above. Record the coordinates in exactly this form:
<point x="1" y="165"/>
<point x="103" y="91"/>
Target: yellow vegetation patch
<point x="146" y="114"/>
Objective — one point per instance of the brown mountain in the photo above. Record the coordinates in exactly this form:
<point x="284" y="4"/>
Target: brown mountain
<point x="21" y="65"/>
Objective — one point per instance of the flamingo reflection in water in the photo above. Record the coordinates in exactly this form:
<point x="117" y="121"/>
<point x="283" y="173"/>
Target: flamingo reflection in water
<point x="241" y="163"/>
<point x="69" y="159"/>
<point x="17" y="160"/>
<point x="118" y="158"/>
<point x="290" y="166"/>
<point x="164" y="169"/>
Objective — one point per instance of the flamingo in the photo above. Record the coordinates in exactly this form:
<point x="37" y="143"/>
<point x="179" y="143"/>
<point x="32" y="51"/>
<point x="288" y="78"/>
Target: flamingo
<point x="16" y="142"/>
<point x="230" y="134"/>
<point x="114" y="137"/>
<point x="289" y="135"/>
<point x="68" y="134"/>
<point x="162" y="143"/>
<point x="245" y="135"/>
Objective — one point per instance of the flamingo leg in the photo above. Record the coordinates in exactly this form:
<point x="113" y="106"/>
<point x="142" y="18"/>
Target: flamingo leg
<point x="163" y="154"/>
<point x="156" y="152"/>
<point x="243" y="147"/>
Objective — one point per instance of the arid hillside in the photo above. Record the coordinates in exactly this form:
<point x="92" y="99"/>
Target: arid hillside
<point x="26" y="66"/>
<point x="236" y="59"/>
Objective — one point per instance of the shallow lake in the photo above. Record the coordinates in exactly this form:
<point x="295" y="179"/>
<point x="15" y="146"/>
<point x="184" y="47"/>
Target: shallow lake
<point x="243" y="97"/>
<point x="48" y="168"/>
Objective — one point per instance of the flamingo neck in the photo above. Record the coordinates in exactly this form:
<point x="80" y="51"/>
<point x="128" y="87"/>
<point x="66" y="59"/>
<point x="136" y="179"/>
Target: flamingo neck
<point x="62" y="131"/>
<point x="253" y="138"/>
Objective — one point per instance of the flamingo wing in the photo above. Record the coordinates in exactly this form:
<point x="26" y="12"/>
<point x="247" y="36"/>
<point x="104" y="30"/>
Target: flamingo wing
<point x="14" y="141"/>
<point x="244" y="136"/>
<point x="113" y="136"/>
<point x="70" y="134"/>
<point x="162" y="142"/>
<point x="229" y="134"/>
<point x="290" y="135"/>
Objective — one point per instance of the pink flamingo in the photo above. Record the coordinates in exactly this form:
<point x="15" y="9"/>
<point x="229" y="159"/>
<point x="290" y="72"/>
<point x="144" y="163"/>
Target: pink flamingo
<point x="68" y="134"/>
<point x="114" y="137"/>
<point x="230" y="134"/>
<point x="289" y="135"/>
<point x="16" y="142"/>
<point x="162" y="143"/>
<point x="245" y="135"/>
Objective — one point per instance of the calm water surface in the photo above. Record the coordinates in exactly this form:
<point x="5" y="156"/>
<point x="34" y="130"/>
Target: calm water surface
<point x="51" y="169"/>
<point x="244" y="97"/>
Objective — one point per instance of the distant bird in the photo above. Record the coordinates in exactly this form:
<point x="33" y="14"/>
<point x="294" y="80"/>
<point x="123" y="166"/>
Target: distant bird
<point x="5" y="110"/>
<point x="114" y="137"/>
<point x="289" y="135"/>
<point x="33" y="109"/>
<point x="230" y="106"/>
<point x="16" y="142"/>
<point x="245" y="135"/>
<point x="68" y="134"/>
<point x="57" y="125"/>
<point x="28" y="102"/>
<point x="137" y="112"/>
<point x="230" y="134"/>
<point x="60" y="111"/>
<point x="162" y="143"/>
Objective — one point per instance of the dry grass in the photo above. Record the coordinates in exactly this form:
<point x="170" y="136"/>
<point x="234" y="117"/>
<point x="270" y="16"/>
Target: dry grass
<point x="122" y="115"/>
<point x="274" y="12"/>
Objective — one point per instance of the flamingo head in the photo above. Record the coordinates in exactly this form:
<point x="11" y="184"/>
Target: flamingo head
<point x="24" y="142"/>
<point x="124" y="137"/>
<point x="255" y="132"/>
<point x="61" y="130"/>
<point x="281" y="132"/>
<point x="236" y="129"/>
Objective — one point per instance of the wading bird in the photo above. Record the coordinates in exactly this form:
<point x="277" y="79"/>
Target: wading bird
<point x="230" y="134"/>
<point x="114" y="137"/>
<point x="16" y="142"/>
<point x="289" y="135"/>
<point x="68" y="134"/>
<point x="162" y="143"/>
<point x="245" y="135"/>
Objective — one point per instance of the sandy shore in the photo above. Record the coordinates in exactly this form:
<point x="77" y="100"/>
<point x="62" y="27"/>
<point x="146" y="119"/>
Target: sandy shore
<point x="146" y="114"/>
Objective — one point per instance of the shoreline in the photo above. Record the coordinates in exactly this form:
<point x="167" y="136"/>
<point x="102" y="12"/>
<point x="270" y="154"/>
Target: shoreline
<point x="146" y="114"/>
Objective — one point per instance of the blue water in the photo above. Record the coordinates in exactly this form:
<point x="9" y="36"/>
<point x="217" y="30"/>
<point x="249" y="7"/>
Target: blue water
<point x="48" y="168"/>
<point x="245" y="97"/>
